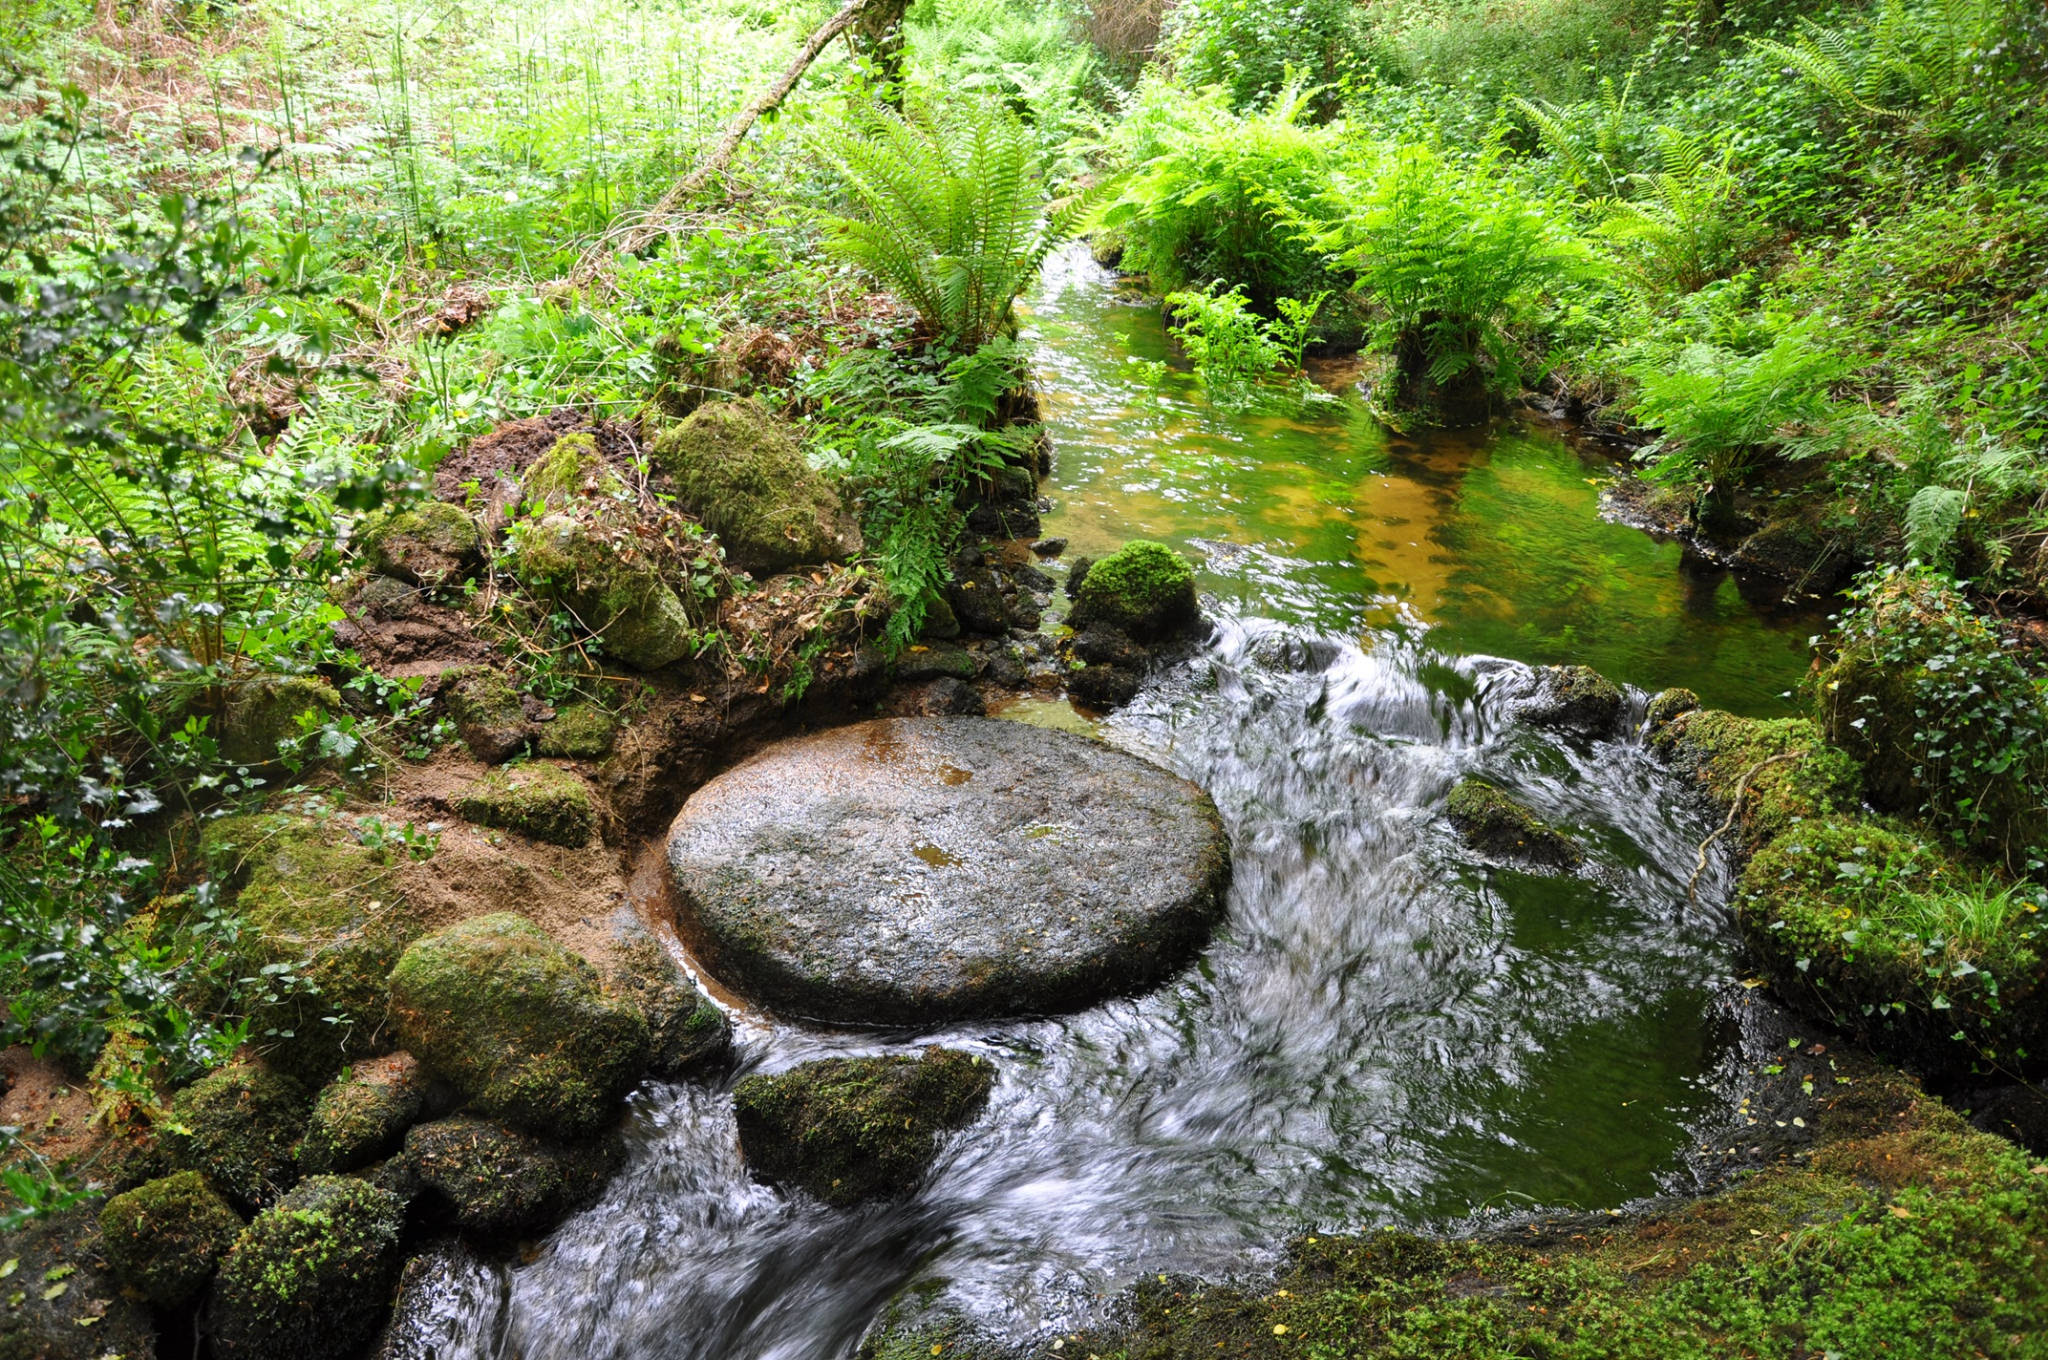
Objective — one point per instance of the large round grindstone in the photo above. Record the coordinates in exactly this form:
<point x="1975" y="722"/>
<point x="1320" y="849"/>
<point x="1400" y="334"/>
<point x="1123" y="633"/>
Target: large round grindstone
<point x="911" y="870"/>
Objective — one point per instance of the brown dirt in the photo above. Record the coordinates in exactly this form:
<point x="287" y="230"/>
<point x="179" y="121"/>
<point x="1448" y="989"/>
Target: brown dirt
<point x="399" y="631"/>
<point x="54" y="1112"/>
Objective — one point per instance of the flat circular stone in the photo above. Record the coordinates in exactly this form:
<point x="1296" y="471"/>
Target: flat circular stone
<point x="912" y="870"/>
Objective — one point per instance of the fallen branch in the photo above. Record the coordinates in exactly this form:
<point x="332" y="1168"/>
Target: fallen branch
<point x="652" y="222"/>
<point x="1734" y="807"/>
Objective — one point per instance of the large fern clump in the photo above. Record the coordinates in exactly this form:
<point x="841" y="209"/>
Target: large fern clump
<point x="950" y="210"/>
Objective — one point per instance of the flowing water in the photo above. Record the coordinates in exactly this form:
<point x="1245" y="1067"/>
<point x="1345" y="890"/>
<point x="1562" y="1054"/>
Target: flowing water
<point x="1386" y="1031"/>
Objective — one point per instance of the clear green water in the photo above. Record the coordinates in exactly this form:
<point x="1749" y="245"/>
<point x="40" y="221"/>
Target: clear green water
<point x="1491" y="541"/>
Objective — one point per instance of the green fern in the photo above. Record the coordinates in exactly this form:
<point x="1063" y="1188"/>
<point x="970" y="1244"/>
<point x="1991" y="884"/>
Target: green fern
<point x="1910" y="54"/>
<point x="1687" y="228"/>
<point x="1592" y="141"/>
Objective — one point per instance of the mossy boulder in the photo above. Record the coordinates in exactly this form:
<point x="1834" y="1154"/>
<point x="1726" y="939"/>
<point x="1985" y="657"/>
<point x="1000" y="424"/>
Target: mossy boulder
<point x="740" y="469"/>
<point x="265" y="712"/>
<point x="578" y="732"/>
<point x="1865" y="924"/>
<point x="541" y="801"/>
<point x="572" y="467"/>
<point x="1494" y="822"/>
<point x="361" y="1117"/>
<point x="59" y="1301"/>
<point x="497" y="1181"/>
<point x="594" y="564"/>
<point x="239" y="1127"/>
<point x="311" y="1278"/>
<point x="1574" y="699"/>
<point x="850" y="1129"/>
<point x="1931" y="698"/>
<point x="1144" y="589"/>
<point x="1782" y="769"/>
<point x="487" y="711"/>
<point x="163" y="1238"/>
<point x="518" y="1025"/>
<point x="1667" y="705"/>
<point x="685" y="1030"/>
<point x="316" y="899"/>
<point x="432" y="545"/>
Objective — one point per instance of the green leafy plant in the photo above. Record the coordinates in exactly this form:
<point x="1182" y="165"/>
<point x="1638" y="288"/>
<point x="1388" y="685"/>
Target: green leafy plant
<point x="1686" y="228"/>
<point x="1233" y="348"/>
<point x="1911" y="54"/>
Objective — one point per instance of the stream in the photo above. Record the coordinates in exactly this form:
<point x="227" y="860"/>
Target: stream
<point x="1386" y="1030"/>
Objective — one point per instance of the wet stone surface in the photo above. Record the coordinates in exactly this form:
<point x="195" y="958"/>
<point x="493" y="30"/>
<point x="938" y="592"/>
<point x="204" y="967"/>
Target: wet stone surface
<point x="912" y="870"/>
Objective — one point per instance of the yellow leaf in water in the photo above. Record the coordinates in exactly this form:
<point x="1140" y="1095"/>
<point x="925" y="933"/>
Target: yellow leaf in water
<point x="56" y="1291"/>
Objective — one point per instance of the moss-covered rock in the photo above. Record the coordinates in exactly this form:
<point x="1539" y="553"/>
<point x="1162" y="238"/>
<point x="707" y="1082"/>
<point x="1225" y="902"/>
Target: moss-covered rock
<point x="264" y="712"/>
<point x="164" y="1238"/>
<point x="578" y="732"/>
<point x="1668" y="704"/>
<point x="1785" y="773"/>
<point x="571" y="468"/>
<point x="1865" y="924"/>
<point x="1575" y="699"/>
<point x="1495" y="823"/>
<point x="1929" y="696"/>
<point x="361" y="1117"/>
<point x="849" y="1129"/>
<point x="239" y="1127"/>
<point x="311" y="1278"/>
<point x="685" y="1030"/>
<point x="432" y="545"/>
<point x="542" y="801"/>
<point x="497" y="1181"/>
<point x="592" y="563"/>
<point x="314" y="898"/>
<point x="1144" y="589"/>
<point x="487" y="712"/>
<point x="518" y="1025"/>
<point x="59" y="1301"/>
<point x="740" y="469"/>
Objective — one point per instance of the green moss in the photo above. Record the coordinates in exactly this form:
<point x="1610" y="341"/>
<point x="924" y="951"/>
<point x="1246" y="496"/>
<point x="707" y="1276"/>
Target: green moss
<point x="578" y="732"/>
<point x="545" y="802"/>
<point x="1576" y="698"/>
<point x="572" y="466"/>
<point x="164" y="1238"/>
<point x="240" y="1128"/>
<point x="432" y="544"/>
<point x="499" y="1181"/>
<point x="263" y="711"/>
<point x="1495" y="823"/>
<point x="1867" y="924"/>
<point x="1667" y="705"/>
<point x="849" y="1129"/>
<point x="595" y="565"/>
<point x="1144" y="588"/>
<point x="518" y="1025"/>
<point x="487" y="711"/>
<point x="1946" y="722"/>
<point x="311" y="1278"/>
<point x="740" y="470"/>
<point x="362" y="1117"/>
<point x="1792" y="775"/>
<point x="685" y="1029"/>
<point x="316" y="900"/>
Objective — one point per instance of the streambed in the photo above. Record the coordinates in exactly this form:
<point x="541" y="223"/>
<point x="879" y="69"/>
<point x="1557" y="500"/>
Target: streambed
<point x="1386" y="1030"/>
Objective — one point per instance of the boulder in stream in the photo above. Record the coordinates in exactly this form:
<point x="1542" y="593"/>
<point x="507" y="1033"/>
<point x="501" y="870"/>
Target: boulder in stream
<point x="850" y="1129"/>
<point x="1574" y="699"/>
<point x="1494" y="822"/>
<point x="914" y="870"/>
<point x="498" y="1180"/>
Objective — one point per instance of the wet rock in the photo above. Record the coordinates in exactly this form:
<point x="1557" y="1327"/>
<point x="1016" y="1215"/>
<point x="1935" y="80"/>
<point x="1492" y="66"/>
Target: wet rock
<point x="164" y="1238"/>
<point x="1575" y="699"/>
<point x="239" y="1127"/>
<point x="1049" y="547"/>
<point x="1005" y="667"/>
<point x="578" y="732"/>
<point x="1028" y="577"/>
<point x="435" y="1299"/>
<point x="977" y="601"/>
<point x="1144" y="589"/>
<point x="1077" y="576"/>
<point x="264" y="712"/>
<point x="90" y="1318"/>
<point x="518" y="1025"/>
<point x="487" y="712"/>
<point x="432" y="545"/>
<point x="540" y="801"/>
<point x="1794" y="549"/>
<point x="933" y="662"/>
<point x="740" y="468"/>
<point x="940" y="622"/>
<point x="851" y="1129"/>
<point x="314" y="897"/>
<point x="918" y="869"/>
<point x="1667" y="705"/>
<point x="948" y="697"/>
<point x="1104" y="687"/>
<point x="1494" y="822"/>
<point x="497" y="1180"/>
<point x="311" y="1278"/>
<point x="1102" y="645"/>
<point x="685" y="1031"/>
<point x="362" y="1117"/>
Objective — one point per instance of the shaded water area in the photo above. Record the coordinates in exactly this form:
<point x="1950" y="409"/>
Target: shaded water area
<point x="1387" y="1030"/>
